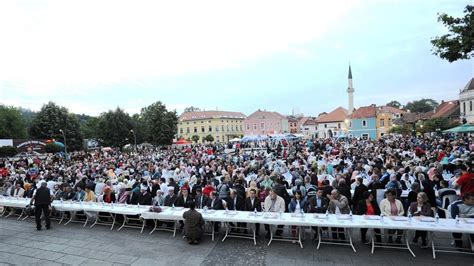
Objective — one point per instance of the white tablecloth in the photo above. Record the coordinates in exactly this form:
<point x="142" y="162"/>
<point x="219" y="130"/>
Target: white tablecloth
<point x="320" y="220"/>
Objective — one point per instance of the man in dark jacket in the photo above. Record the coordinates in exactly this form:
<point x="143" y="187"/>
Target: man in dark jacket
<point x="252" y="203"/>
<point x="281" y="191"/>
<point x="184" y="199"/>
<point x="193" y="223"/>
<point x="318" y="204"/>
<point x="215" y="203"/>
<point x="359" y="191"/>
<point x="42" y="200"/>
<point x="171" y="198"/>
<point x="200" y="199"/>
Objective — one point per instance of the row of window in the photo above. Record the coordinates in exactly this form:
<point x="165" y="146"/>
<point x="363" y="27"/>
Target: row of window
<point x="464" y="107"/>
<point x="222" y="121"/>
<point x="227" y="128"/>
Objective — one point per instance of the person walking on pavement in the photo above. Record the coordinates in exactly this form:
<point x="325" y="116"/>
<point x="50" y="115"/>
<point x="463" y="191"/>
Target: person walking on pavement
<point x="42" y="201"/>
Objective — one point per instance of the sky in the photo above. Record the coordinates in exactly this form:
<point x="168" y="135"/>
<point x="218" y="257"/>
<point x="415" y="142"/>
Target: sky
<point x="284" y="56"/>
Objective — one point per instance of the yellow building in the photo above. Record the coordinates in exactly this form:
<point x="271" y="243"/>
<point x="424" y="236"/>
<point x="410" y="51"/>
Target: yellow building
<point x="385" y="116"/>
<point x="221" y="125"/>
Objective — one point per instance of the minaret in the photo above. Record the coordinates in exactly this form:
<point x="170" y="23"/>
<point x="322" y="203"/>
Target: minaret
<point x="350" y="92"/>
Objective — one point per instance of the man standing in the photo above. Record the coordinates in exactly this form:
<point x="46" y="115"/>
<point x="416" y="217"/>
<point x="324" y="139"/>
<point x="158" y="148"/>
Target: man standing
<point x="193" y="224"/>
<point x="42" y="201"/>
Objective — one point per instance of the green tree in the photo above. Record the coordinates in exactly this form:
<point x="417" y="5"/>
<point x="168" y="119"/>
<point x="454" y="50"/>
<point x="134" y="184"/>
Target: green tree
<point x="209" y="138"/>
<point x="114" y="128"/>
<point x="395" y="104"/>
<point x="403" y="129"/>
<point x="52" y="148"/>
<point x="161" y="124"/>
<point x="12" y="125"/>
<point x="51" y="119"/>
<point x="459" y="43"/>
<point x="90" y="127"/>
<point x="435" y="124"/>
<point x="191" y="109"/>
<point x="8" y="151"/>
<point x="421" y="106"/>
<point x="195" y="138"/>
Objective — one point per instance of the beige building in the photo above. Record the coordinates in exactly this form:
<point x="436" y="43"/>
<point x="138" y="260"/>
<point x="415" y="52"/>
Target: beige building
<point x="221" y="125"/>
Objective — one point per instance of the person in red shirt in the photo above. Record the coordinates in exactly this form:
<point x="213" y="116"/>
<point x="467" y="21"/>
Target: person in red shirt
<point x="465" y="181"/>
<point x="208" y="189"/>
<point x="368" y="206"/>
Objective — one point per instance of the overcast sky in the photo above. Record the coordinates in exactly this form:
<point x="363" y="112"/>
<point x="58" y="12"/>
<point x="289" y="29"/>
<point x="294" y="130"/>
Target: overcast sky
<point x="92" y="56"/>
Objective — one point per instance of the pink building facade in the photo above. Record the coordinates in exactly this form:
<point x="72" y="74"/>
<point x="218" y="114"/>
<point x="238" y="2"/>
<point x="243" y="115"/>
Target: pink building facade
<point x="265" y="123"/>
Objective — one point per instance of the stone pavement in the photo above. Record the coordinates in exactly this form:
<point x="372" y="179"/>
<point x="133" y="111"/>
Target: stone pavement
<point x="73" y="244"/>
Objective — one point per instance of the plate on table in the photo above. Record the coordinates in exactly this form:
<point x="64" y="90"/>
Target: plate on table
<point x="270" y="216"/>
<point x="320" y="216"/>
<point x="258" y="214"/>
<point x="468" y="221"/>
<point x="231" y="213"/>
<point x="399" y="218"/>
<point x="344" y="217"/>
<point x="296" y="215"/>
<point x="372" y="217"/>
<point x="426" y="219"/>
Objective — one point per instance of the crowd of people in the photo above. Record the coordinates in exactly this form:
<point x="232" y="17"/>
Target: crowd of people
<point x="315" y="176"/>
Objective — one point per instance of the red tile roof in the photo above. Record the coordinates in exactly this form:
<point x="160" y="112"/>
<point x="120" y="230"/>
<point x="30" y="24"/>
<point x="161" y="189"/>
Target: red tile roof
<point x="210" y="114"/>
<point x="446" y="109"/>
<point x="390" y="109"/>
<point x="365" y="112"/>
<point x="259" y="114"/>
<point x="339" y="114"/>
<point x="310" y="122"/>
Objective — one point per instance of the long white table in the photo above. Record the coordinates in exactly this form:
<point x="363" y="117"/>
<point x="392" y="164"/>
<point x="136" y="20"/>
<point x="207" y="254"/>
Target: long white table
<point x="288" y="219"/>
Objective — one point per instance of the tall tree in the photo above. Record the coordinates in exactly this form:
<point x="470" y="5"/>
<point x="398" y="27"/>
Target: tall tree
<point x="114" y="128"/>
<point x="12" y="125"/>
<point x="421" y="106"/>
<point x="161" y="124"/>
<point x="395" y="104"/>
<point x="191" y="109"/>
<point x="90" y="127"/>
<point x="459" y="43"/>
<point x="49" y="122"/>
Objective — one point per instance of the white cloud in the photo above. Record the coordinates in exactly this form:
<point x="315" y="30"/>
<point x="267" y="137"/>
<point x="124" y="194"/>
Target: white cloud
<point x="50" y="46"/>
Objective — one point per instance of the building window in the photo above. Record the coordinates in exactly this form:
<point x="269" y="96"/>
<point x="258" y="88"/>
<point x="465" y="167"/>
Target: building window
<point x="232" y="128"/>
<point x="254" y="126"/>
<point x="464" y="108"/>
<point x="203" y="129"/>
<point x="382" y="122"/>
<point x="240" y="127"/>
<point x="222" y="128"/>
<point x="195" y="130"/>
<point x="217" y="138"/>
<point x="364" y="123"/>
<point x="247" y="126"/>
<point x="227" y="128"/>
<point x="365" y="136"/>
<point x="470" y="106"/>
<point x="209" y="121"/>
<point x="210" y="128"/>
<point x="180" y="130"/>
<point x="339" y="125"/>
<point x="350" y="123"/>
<point x="325" y="125"/>
<point x="262" y="125"/>
<point x="187" y="130"/>
<point x="217" y="128"/>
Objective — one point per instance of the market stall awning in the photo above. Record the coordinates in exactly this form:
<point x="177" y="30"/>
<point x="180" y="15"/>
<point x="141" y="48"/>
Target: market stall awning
<point x="466" y="128"/>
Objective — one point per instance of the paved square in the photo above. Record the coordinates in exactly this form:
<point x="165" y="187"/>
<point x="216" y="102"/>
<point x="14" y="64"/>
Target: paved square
<point x="73" y="244"/>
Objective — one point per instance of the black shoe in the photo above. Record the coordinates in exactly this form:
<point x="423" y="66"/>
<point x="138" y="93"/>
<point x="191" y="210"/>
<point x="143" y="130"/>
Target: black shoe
<point x="398" y="240"/>
<point x="414" y="241"/>
<point x="267" y="235"/>
<point x="390" y="240"/>
<point x="38" y="228"/>
<point x="424" y="245"/>
<point x="364" y="241"/>
<point x="48" y="227"/>
<point x="279" y="233"/>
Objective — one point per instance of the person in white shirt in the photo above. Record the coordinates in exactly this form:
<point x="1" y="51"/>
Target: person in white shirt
<point x="274" y="203"/>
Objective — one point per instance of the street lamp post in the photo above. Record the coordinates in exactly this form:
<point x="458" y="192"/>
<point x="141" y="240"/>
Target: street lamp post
<point x="134" y="138"/>
<point x="65" y="143"/>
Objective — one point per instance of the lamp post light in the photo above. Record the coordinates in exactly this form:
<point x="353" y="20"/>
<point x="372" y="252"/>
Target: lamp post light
<point x="135" y="139"/>
<point x="65" y="143"/>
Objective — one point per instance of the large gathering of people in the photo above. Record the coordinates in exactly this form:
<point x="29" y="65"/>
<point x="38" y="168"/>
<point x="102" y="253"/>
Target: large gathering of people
<point x="336" y="176"/>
